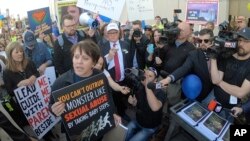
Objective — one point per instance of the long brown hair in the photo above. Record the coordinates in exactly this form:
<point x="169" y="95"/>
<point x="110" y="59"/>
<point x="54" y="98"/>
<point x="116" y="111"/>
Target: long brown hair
<point x="11" y="63"/>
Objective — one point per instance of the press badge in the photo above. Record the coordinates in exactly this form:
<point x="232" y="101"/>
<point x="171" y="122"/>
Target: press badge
<point x="233" y="100"/>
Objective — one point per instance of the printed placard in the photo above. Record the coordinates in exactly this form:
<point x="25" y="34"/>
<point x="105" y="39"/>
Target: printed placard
<point x="140" y="9"/>
<point x="201" y="11"/>
<point x="40" y="21"/>
<point x="89" y="108"/>
<point x="34" y="101"/>
<point x="109" y="8"/>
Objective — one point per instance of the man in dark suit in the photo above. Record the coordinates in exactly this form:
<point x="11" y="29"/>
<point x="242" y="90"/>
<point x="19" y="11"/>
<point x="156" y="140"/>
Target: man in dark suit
<point x="198" y="63"/>
<point x="116" y="57"/>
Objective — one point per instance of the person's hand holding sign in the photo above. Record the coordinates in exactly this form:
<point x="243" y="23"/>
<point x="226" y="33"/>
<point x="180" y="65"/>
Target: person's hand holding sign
<point x="58" y="108"/>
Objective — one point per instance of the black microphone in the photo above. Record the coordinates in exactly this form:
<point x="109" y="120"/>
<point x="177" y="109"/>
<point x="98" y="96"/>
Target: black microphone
<point x="163" y="73"/>
<point x="151" y="85"/>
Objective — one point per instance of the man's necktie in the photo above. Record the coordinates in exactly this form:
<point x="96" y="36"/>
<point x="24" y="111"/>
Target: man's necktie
<point x="117" y="66"/>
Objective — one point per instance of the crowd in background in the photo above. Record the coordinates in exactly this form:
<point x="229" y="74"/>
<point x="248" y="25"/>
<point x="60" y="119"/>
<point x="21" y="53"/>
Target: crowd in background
<point x="122" y="46"/>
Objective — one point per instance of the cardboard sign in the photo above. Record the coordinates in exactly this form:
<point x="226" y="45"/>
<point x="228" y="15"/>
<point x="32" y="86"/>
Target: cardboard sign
<point x="34" y="101"/>
<point x="40" y="21"/>
<point x="68" y="7"/>
<point x="109" y="8"/>
<point x="50" y="72"/>
<point x="200" y="11"/>
<point x="140" y="10"/>
<point x="89" y="108"/>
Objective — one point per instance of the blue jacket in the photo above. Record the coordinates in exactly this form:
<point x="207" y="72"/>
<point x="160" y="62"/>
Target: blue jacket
<point x="39" y="54"/>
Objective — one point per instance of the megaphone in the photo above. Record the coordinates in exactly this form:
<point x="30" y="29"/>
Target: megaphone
<point x="86" y="19"/>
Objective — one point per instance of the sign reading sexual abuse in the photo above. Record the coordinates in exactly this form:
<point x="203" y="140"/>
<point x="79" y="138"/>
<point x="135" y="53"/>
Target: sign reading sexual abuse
<point x="89" y="108"/>
<point x="34" y="101"/>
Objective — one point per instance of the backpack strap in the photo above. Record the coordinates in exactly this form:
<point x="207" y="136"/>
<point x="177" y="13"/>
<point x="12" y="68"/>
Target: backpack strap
<point x="81" y="33"/>
<point x="60" y="41"/>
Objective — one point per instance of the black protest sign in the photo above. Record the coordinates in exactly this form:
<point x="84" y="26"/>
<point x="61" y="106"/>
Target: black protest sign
<point x="89" y="108"/>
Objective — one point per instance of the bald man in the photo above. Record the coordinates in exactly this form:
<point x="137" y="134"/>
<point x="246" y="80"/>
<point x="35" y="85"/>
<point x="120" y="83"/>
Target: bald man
<point x="175" y="57"/>
<point x="178" y="51"/>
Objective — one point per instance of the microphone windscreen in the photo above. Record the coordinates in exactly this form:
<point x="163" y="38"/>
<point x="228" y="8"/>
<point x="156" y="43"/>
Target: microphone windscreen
<point x="151" y="85"/>
<point x="164" y="74"/>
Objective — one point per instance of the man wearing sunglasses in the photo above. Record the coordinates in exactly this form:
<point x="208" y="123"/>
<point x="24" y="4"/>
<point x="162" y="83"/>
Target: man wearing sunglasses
<point x="198" y="63"/>
<point x="231" y="76"/>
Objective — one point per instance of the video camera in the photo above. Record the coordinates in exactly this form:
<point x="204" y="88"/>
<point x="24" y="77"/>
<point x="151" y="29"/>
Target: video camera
<point x="133" y="78"/>
<point x="137" y="33"/>
<point x="169" y="34"/>
<point x="225" y="43"/>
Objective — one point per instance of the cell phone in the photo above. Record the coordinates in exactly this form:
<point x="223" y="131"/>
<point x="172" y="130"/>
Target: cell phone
<point x="177" y="10"/>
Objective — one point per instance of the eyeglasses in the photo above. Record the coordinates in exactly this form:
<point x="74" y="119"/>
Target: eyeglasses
<point x="153" y="70"/>
<point x="69" y="26"/>
<point x="205" y="40"/>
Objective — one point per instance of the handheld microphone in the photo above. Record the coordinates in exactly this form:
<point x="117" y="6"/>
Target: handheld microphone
<point x="153" y="86"/>
<point x="163" y="73"/>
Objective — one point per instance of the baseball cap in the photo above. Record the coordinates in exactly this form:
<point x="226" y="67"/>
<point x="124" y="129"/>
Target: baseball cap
<point x="112" y="26"/>
<point x="245" y="33"/>
<point x="148" y="27"/>
<point x="153" y="70"/>
<point x="29" y="38"/>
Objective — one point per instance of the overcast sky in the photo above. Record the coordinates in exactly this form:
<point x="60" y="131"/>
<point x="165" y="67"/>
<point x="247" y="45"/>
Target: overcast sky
<point x="22" y="6"/>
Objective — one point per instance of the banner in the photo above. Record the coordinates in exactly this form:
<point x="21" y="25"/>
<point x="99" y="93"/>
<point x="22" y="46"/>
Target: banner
<point x="50" y="73"/>
<point x="34" y="101"/>
<point x="89" y="108"/>
<point x="40" y="21"/>
<point x="109" y="8"/>
<point x="140" y="10"/>
<point x="200" y="11"/>
<point x="68" y="7"/>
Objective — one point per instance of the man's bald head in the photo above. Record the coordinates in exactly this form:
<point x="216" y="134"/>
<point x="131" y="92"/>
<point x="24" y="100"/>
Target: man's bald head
<point x="185" y="30"/>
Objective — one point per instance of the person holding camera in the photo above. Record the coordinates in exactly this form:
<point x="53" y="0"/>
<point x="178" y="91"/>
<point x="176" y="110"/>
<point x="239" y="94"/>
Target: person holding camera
<point x="149" y="103"/>
<point x="138" y="45"/>
<point x="232" y="75"/>
<point x="197" y="62"/>
<point x="177" y="52"/>
<point x="156" y="52"/>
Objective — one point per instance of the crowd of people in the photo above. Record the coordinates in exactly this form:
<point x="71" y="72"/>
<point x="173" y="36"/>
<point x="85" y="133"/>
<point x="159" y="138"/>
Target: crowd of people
<point x="112" y="49"/>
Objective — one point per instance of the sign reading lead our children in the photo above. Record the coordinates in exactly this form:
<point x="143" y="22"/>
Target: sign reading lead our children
<point x="89" y="108"/>
<point x="34" y="101"/>
<point x="202" y="11"/>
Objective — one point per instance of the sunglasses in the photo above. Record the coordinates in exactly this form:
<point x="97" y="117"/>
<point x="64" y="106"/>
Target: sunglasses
<point x="205" y="40"/>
